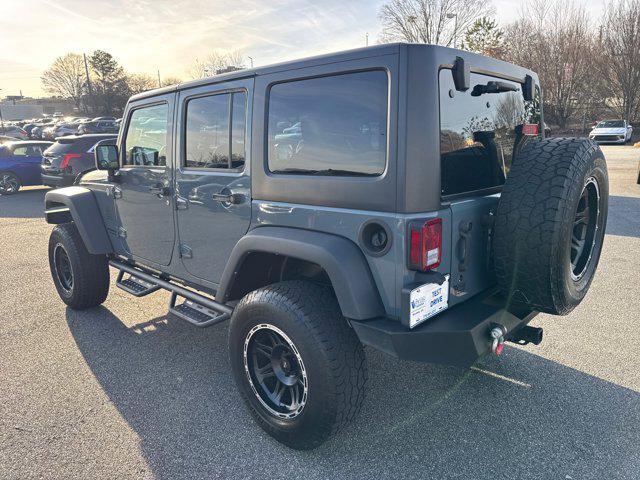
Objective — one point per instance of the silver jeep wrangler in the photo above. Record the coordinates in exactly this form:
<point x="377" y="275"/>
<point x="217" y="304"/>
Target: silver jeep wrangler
<point x="399" y="196"/>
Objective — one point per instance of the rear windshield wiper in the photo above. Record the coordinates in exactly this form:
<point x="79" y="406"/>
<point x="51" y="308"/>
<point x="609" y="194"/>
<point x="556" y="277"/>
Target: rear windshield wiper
<point x="328" y="172"/>
<point x="493" y="87"/>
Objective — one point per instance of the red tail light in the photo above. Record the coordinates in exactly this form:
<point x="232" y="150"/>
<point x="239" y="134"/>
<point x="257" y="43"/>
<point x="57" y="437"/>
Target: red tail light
<point x="425" y="245"/>
<point x="530" y="129"/>
<point x="65" y="160"/>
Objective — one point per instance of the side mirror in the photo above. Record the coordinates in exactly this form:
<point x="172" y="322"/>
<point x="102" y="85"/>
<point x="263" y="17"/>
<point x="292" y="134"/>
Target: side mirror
<point x="106" y="155"/>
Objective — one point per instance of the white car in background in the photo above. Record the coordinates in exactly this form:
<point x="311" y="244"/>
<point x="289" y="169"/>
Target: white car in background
<point x="612" y="131"/>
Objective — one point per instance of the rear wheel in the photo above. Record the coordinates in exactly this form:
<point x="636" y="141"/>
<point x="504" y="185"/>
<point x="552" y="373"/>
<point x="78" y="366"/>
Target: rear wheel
<point x="82" y="279"/>
<point x="9" y="183"/>
<point x="299" y="367"/>
<point x="550" y="224"/>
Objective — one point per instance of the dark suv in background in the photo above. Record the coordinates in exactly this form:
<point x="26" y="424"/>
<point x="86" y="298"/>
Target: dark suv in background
<point x="98" y="126"/>
<point x="68" y="157"/>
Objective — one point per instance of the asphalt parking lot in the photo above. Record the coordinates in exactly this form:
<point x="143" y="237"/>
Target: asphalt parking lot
<point x="124" y="391"/>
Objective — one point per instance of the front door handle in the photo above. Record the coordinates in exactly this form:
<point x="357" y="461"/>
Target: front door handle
<point x="160" y="190"/>
<point x="231" y="198"/>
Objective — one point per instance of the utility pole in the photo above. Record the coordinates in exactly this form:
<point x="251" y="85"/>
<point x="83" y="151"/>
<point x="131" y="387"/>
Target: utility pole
<point x="86" y="71"/>
<point x="250" y="59"/>
<point x="455" y="27"/>
<point x="159" y="82"/>
<point x="366" y="39"/>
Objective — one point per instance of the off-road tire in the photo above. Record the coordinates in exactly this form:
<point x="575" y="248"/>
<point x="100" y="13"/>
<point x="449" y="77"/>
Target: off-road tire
<point x="332" y="355"/>
<point x="535" y="221"/>
<point x="90" y="273"/>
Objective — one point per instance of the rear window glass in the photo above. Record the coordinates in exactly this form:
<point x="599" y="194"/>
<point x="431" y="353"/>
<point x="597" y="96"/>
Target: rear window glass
<point x="480" y="130"/>
<point x="333" y="125"/>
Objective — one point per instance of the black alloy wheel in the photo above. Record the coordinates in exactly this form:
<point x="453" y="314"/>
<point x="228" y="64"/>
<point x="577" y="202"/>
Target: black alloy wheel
<point x="585" y="227"/>
<point x="275" y="371"/>
<point x="63" y="269"/>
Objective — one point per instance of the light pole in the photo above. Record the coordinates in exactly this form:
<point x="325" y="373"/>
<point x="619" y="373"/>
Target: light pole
<point x="455" y="27"/>
<point x="250" y="59"/>
<point x="1" y="120"/>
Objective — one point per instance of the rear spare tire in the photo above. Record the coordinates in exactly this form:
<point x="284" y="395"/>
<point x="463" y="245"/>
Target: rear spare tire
<point x="550" y="224"/>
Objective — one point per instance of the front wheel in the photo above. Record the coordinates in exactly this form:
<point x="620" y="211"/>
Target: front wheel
<point x="299" y="367"/>
<point x="81" y="278"/>
<point x="9" y="183"/>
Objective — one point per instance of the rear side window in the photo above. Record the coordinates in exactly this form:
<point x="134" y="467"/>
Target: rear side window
<point x="215" y="131"/>
<point x="146" y="139"/>
<point x="333" y="125"/>
<point x="480" y="131"/>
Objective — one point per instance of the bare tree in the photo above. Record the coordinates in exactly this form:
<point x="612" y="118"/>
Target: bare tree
<point x="166" y="81"/>
<point x="619" y="42"/>
<point x="216" y="61"/>
<point x="555" y="39"/>
<point x="140" y="82"/>
<point x="440" y="22"/>
<point x="66" y="78"/>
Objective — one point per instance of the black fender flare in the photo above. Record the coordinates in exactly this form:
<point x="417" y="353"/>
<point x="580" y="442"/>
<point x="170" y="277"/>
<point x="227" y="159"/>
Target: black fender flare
<point x="78" y="204"/>
<point x="342" y="260"/>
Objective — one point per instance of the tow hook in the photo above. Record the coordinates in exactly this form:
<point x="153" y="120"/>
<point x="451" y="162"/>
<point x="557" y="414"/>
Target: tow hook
<point x="497" y="334"/>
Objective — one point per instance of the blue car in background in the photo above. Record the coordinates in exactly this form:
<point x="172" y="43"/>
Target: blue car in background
<point x="20" y="165"/>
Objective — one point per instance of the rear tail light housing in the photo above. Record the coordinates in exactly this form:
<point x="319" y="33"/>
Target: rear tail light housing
<point x="425" y="244"/>
<point x="530" y="129"/>
<point x="65" y="160"/>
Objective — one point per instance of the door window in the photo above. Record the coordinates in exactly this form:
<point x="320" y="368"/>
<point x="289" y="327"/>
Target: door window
<point x="215" y="131"/>
<point x="146" y="139"/>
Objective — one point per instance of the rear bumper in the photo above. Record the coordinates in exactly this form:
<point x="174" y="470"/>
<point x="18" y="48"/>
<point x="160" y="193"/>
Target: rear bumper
<point x="57" y="181"/>
<point x="458" y="336"/>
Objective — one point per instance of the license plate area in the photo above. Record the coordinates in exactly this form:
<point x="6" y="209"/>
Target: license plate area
<point x="425" y="301"/>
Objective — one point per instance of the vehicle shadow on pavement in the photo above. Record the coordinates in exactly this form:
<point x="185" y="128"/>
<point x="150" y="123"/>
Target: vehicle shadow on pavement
<point x="27" y="203"/>
<point x="520" y="416"/>
<point x="624" y="216"/>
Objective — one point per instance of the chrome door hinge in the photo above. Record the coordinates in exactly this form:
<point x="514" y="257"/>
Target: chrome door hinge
<point x="185" y="251"/>
<point x="182" y="203"/>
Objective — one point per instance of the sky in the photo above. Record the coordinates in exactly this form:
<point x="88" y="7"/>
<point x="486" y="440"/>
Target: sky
<point x="169" y="35"/>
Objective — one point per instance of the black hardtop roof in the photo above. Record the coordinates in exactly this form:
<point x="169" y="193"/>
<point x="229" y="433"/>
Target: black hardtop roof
<point x="346" y="55"/>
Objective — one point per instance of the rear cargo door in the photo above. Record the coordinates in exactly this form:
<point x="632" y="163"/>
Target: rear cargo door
<point x="481" y="129"/>
<point x="471" y="269"/>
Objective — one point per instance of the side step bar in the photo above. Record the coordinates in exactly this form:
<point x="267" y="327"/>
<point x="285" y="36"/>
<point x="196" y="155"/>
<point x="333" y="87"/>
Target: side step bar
<point x="135" y="285"/>
<point x="197" y="309"/>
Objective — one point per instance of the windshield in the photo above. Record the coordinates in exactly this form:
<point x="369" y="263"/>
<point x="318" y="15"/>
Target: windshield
<point x="611" y="124"/>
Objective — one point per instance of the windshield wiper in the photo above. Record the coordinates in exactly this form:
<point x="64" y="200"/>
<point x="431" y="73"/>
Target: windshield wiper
<point x="328" y="172"/>
<point x="493" y="87"/>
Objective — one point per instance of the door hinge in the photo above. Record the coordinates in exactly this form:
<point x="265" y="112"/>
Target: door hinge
<point x="182" y="203"/>
<point x="185" y="251"/>
<point x="122" y="233"/>
<point x="115" y="192"/>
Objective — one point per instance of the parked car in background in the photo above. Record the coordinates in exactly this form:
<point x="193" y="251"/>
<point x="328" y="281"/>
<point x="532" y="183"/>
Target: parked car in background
<point x="99" y="119"/>
<point x="20" y="165"/>
<point x="13" y="131"/>
<point x="69" y="156"/>
<point x="7" y="138"/>
<point x="64" y="129"/>
<point x="27" y="127"/>
<point x="612" y="131"/>
<point x="101" y="126"/>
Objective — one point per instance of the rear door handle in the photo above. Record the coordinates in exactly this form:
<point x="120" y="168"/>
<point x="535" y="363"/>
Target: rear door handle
<point x="231" y="198"/>
<point x="464" y="229"/>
